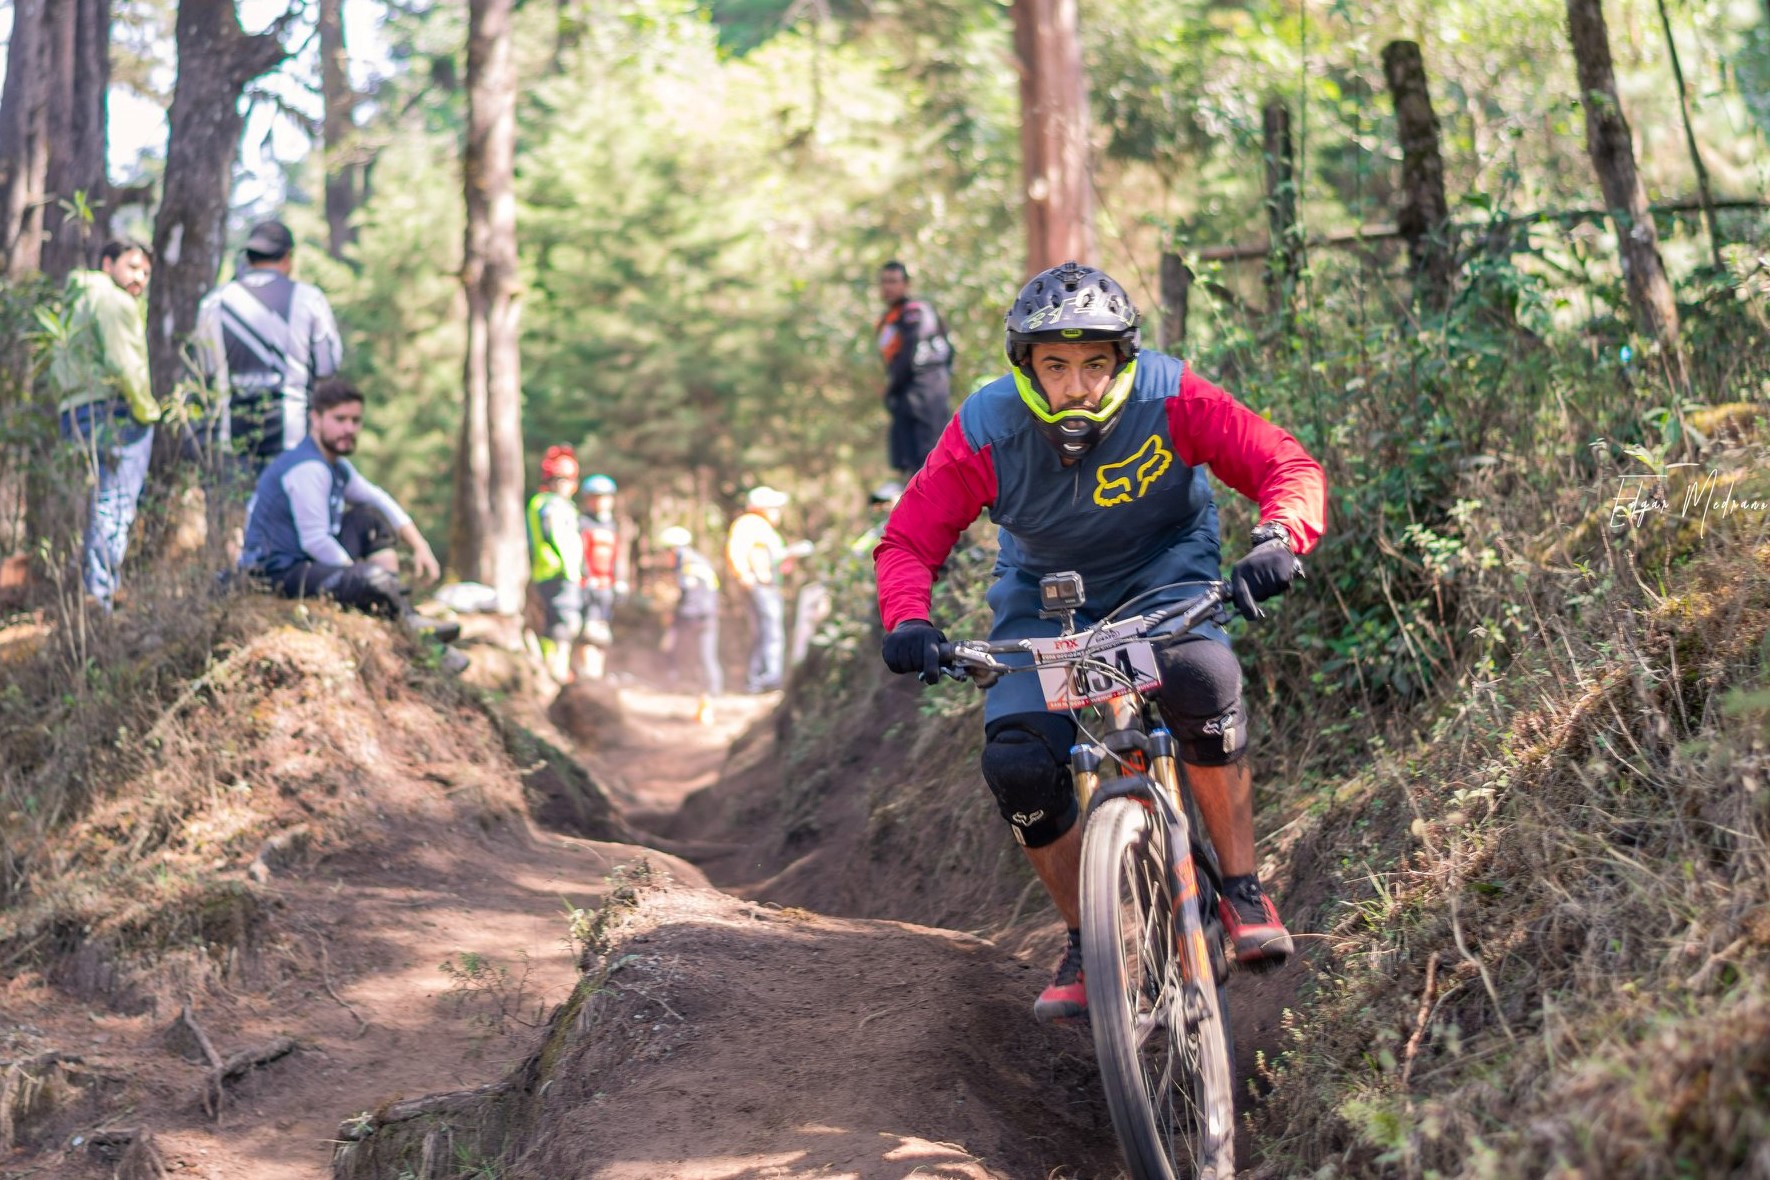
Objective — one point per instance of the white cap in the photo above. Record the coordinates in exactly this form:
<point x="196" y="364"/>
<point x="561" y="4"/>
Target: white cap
<point x="763" y="496"/>
<point x="675" y="537"/>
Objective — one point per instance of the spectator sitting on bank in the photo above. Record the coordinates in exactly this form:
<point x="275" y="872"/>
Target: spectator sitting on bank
<point x="303" y="540"/>
<point x="107" y="407"/>
<point x="264" y="341"/>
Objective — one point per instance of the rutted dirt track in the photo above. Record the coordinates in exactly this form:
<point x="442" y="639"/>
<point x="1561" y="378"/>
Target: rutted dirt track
<point x="710" y="1038"/>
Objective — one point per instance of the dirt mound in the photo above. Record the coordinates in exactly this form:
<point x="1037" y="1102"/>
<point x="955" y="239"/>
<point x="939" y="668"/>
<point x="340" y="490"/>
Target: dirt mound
<point x="713" y="1039"/>
<point x="239" y="935"/>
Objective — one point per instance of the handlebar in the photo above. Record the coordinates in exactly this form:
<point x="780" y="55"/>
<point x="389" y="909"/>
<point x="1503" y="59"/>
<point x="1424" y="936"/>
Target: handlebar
<point x="964" y="656"/>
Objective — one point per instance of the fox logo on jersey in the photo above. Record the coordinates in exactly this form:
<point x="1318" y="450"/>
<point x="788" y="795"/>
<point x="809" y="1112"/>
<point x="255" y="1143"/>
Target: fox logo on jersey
<point x="1115" y="480"/>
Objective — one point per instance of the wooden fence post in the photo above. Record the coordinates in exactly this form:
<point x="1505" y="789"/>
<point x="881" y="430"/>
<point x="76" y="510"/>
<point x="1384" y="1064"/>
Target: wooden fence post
<point x="1424" y="215"/>
<point x="1176" y="290"/>
<point x="1285" y="260"/>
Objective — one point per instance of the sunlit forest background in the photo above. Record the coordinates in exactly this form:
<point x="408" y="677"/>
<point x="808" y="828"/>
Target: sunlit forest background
<point x="705" y="195"/>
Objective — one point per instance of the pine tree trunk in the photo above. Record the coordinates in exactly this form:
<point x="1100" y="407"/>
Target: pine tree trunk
<point x="79" y="139"/>
<point x="1284" y="259"/>
<point x="24" y="134"/>
<point x="216" y="59"/>
<point x="1703" y="192"/>
<point x="1176" y="279"/>
<point x="1054" y="134"/>
<point x="338" y="129"/>
<point x="1425" y="214"/>
<point x="488" y="542"/>
<point x="1613" y="158"/>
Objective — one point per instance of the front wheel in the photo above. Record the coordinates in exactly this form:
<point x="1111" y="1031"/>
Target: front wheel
<point x="1160" y="1030"/>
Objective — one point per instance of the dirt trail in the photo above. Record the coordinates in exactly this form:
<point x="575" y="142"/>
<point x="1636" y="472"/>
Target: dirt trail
<point x="415" y="849"/>
<point x="715" y="1038"/>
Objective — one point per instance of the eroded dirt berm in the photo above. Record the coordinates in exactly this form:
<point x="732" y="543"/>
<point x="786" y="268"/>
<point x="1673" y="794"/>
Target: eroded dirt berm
<point x="714" y="1039"/>
<point x="236" y="940"/>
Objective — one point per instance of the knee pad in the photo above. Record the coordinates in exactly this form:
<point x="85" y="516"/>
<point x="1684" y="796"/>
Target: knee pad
<point x="1029" y="777"/>
<point x="1200" y="698"/>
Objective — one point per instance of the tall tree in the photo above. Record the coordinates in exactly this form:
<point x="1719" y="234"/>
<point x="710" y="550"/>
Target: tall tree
<point x="1703" y="192"/>
<point x="1284" y="256"/>
<point x="1613" y="158"/>
<point x="487" y="542"/>
<point x="1425" y="214"/>
<point x="216" y="59"/>
<point x="338" y="128"/>
<point x="24" y="132"/>
<point x="1054" y="134"/>
<point x="78" y="199"/>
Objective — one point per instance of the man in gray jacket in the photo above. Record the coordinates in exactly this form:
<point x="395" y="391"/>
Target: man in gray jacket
<point x="264" y="340"/>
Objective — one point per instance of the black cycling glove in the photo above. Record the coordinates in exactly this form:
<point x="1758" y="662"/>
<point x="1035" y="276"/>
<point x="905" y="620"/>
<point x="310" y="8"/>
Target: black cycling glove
<point x="914" y="646"/>
<point x="1266" y="572"/>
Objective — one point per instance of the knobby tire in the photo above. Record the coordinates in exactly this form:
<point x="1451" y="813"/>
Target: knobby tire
<point x="1161" y="1041"/>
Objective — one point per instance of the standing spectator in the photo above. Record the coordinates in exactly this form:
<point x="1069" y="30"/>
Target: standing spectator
<point x="556" y="562"/>
<point x="302" y="540"/>
<point x="263" y="341"/>
<point x="694" y="625"/>
<point x="107" y="407"/>
<point x="918" y="356"/>
<point x="602" y="557"/>
<point x="757" y="557"/>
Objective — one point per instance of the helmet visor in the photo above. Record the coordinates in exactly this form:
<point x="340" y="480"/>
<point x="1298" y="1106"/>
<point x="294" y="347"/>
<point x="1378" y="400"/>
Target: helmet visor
<point x="1110" y="404"/>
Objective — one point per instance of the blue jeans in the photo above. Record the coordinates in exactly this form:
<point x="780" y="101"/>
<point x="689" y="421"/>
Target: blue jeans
<point x="769" y="647"/>
<point x="117" y="449"/>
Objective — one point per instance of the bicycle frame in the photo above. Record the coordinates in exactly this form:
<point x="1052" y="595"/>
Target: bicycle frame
<point x="1148" y="757"/>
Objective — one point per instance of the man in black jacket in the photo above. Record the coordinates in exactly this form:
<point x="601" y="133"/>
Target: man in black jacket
<point x="918" y="358"/>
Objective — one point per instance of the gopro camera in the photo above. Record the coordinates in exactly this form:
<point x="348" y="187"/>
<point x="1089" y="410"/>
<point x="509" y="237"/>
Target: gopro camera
<point x="1061" y="595"/>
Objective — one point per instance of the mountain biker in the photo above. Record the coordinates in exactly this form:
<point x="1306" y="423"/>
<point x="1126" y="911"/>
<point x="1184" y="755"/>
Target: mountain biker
<point x="304" y="541"/>
<point x="602" y="551"/>
<point x="556" y="562"/>
<point x="1090" y="456"/>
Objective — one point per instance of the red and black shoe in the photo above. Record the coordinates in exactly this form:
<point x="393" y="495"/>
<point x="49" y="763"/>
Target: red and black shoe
<point x="1256" y="936"/>
<point x="1066" y="998"/>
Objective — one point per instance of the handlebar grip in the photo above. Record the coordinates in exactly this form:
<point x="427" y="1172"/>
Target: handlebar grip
<point x="946" y="652"/>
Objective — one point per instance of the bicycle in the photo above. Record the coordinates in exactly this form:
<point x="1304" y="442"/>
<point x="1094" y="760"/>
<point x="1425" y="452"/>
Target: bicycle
<point x="1152" y="941"/>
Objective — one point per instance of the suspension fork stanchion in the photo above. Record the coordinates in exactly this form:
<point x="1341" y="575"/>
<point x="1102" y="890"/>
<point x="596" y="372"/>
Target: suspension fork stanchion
<point x="1162" y="768"/>
<point x="1188" y="926"/>
<point x="1084" y="771"/>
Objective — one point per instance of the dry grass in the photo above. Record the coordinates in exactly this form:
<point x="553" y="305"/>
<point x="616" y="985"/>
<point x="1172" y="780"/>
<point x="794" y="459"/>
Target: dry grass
<point x="1586" y="888"/>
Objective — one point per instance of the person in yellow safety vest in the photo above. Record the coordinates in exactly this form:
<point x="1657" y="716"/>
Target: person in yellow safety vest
<point x="556" y="563"/>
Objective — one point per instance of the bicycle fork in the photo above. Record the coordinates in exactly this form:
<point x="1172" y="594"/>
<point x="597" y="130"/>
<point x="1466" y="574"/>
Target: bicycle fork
<point x="1153" y="755"/>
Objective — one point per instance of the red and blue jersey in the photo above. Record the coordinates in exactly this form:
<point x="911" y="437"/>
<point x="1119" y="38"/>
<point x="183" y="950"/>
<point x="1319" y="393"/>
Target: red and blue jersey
<point x="1136" y="511"/>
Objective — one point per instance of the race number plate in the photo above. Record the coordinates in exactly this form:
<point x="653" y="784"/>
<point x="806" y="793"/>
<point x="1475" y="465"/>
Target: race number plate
<point x="1070" y="686"/>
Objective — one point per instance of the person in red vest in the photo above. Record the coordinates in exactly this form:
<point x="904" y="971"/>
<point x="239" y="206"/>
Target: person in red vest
<point x="602" y="561"/>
